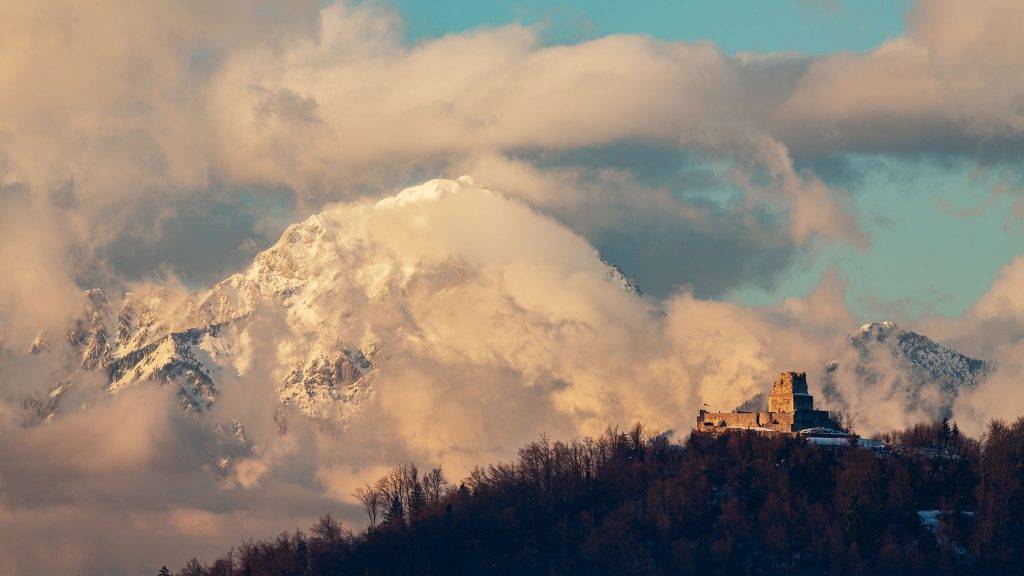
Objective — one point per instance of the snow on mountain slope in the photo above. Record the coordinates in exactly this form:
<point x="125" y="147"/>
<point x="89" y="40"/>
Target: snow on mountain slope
<point x="883" y="369"/>
<point x="177" y="357"/>
<point x="315" y="313"/>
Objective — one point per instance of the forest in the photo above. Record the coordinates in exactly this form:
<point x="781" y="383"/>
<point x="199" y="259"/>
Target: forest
<point x="933" y="501"/>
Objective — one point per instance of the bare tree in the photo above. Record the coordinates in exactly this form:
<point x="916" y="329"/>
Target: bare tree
<point x="434" y="484"/>
<point x="372" y="501"/>
<point x="395" y="488"/>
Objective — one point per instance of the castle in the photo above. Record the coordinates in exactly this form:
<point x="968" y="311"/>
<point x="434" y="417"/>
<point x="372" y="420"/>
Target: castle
<point x="790" y="409"/>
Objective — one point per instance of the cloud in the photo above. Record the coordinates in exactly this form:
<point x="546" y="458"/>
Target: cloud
<point x="641" y="226"/>
<point x="946" y="86"/>
<point x="1003" y="298"/>
<point x="994" y="328"/>
<point x="37" y="292"/>
<point x="156" y="106"/>
<point x="327" y="103"/>
<point x="593" y="93"/>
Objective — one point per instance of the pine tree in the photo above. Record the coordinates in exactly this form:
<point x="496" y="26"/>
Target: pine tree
<point x="417" y="500"/>
<point x="163" y="571"/>
<point x="395" y="513"/>
<point x="301" y="553"/>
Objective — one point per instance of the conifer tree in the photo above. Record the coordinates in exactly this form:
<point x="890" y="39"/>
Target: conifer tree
<point x="417" y="500"/>
<point x="395" y="514"/>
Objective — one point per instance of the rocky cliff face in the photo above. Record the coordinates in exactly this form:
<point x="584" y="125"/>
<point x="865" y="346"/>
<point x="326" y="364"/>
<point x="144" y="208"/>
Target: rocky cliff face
<point x="139" y="348"/>
<point x="126" y="348"/>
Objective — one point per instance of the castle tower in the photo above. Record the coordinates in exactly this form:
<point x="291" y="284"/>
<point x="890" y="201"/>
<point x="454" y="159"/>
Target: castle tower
<point x="789" y="394"/>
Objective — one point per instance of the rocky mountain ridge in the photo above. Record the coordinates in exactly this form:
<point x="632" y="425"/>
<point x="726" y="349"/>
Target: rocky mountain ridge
<point x="893" y="365"/>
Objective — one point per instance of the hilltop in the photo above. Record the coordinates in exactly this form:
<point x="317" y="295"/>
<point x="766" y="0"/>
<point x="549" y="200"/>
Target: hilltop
<point x="636" y="503"/>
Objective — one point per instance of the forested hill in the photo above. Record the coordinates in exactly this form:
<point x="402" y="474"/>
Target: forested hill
<point x="636" y="503"/>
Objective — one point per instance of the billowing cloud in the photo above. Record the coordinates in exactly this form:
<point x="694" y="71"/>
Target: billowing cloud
<point x="946" y="86"/>
<point x="994" y="327"/>
<point x="294" y="105"/>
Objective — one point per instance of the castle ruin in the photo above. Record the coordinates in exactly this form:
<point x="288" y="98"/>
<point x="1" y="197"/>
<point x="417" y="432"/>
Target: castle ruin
<point x="790" y="409"/>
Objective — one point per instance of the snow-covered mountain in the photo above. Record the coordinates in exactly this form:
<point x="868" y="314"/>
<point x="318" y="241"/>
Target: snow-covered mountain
<point x="314" y="313"/>
<point x="891" y="367"/>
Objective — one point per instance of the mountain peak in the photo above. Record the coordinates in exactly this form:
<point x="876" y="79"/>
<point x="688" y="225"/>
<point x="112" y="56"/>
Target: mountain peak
<point x="883" y="326"/>
<point x="429" y="191"/>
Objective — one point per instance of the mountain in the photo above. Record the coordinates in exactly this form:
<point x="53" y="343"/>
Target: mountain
<point x="888" y="365"/>
<point x="314" y="315"/>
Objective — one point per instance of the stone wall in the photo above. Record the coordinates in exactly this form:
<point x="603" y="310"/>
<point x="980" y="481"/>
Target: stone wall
<point x="779" y="421"/>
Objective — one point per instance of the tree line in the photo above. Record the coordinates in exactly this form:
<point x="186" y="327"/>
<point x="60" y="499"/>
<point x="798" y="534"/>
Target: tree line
<point x="634" y="502"/>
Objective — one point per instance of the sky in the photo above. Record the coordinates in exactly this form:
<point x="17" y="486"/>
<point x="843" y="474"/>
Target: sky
<point x="940" y="235"/>
<point x="441" y="189"/>
<point x="938" y="239"/>
<point x="806" y="26"/>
